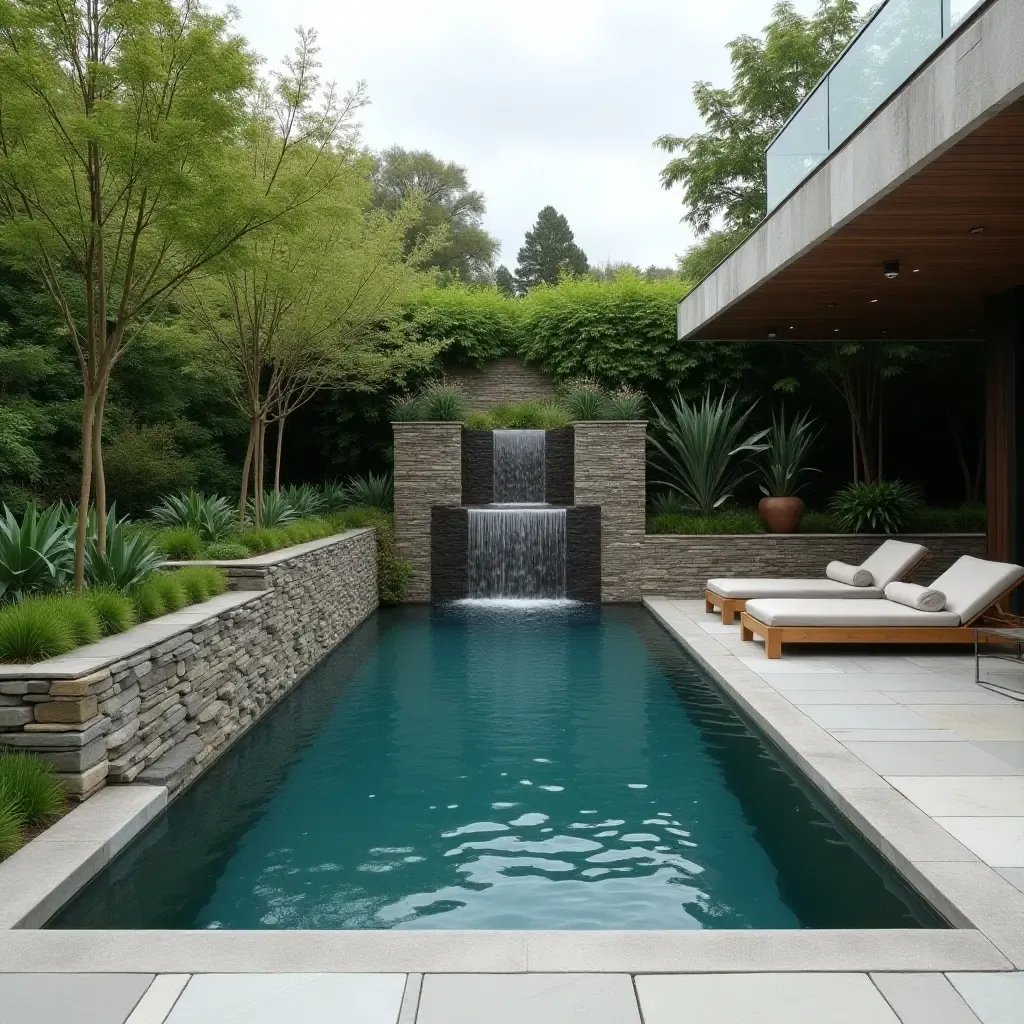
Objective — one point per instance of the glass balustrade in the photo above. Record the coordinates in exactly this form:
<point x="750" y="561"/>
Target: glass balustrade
<point x="887" y="51"/>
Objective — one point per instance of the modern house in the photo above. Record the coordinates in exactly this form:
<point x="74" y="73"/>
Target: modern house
<point x="896" y="211"/>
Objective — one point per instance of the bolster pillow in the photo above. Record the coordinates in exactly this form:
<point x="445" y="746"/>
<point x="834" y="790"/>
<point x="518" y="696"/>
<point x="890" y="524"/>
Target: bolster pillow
<point x="924" y="599"/>
<point x="853" y="575"/>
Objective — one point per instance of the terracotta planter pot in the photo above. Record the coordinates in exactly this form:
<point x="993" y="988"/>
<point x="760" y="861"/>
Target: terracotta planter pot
<point x="781" y="515"/>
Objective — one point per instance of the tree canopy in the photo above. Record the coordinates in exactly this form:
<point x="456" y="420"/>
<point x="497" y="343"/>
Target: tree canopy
<point x="550" y="250"/>
<point x="450" y="210"/>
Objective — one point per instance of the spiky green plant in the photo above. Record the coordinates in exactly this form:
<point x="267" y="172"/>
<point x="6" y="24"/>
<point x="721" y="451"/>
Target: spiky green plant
<point x="669" y="503"/>
<point x="443" y="401"/>
<point x="79" y="613"/>
<point x="172" y="593"/>
<point x="884" y="506"/>
<point x="307" y="500"/>
<point x="277" y="510"/>
<point x="784" y="460"/>
<point x="406" y="410"/>
<point x="31" y="786"/>
<point x="37" y="553"/>
<point x="626" y="403"/>
<point x="371" y="491"/>
<point x="33" y="630"/>
<point x="585" y="399"/>
<point x="211" y="516"/>
<point x="147" y="599"/>
<point x="129" y="558"/>
<point x="201" y="582"/>
<point x="697" y="447"/>
<point x="10" y="825"/>
<point x="182" y="543"/>
<point x="116" y="613"/>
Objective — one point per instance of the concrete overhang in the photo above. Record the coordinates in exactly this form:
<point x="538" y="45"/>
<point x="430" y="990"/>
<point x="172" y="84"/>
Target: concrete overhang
<point x="944" y="156"/>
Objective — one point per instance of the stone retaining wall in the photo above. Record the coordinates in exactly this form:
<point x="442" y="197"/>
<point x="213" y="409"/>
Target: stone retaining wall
<point x="158" y="702"/>
<point x="680" y="566"/>
<point x="502" y="381"/>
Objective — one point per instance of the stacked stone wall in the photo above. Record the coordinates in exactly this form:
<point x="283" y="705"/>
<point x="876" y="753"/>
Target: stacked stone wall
<point x="503" y="381"/>
<point x="680" y="566"/>
<point x="186" y="686"/>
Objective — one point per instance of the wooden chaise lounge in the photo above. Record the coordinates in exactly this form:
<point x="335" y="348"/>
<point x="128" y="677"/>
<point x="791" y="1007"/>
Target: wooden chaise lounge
<point x="972" y="588"/>
<point x="892" y="560"/>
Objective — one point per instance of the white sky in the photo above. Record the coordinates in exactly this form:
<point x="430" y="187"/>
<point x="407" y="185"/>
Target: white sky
<point x="543" y="101"/>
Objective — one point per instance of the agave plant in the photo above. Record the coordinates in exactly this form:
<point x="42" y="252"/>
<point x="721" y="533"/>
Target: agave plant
<point x="307" y="500"/>
<point x="785" y="457"/>
<point x="37" y="553"/>
<point x="372" y="491"/>
<point x="212" y="517"/>
<point x="130" y="555"/>
<point x="669" y="503"/>
<point x="884" y="506"/>
<point x="277" y="510"/>
<point x="697" y="447"/>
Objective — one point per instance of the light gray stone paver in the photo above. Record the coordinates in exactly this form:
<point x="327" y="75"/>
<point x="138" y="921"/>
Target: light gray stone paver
<point x="70" y="998"/>
<point x="997" y="841"/>
<point x="1009" y="752"/>
<point x="277" y="998"/>
<point x="528" y="999"/>
<point x="159" y="1000"/>
<point x="762" y="999"/>
<point x="847" y="736"/>
<point x="861" y="698"/>
<point x="977" y="721"/>
<point x="994" y="998"/>
<point x="888" y="758"/>
<point x="978" y="795"/>
<point x="410" y="999"/>
<point x="924" y="999"/>
<point x="1015" y="876"/>
<point x="860" y="716"/>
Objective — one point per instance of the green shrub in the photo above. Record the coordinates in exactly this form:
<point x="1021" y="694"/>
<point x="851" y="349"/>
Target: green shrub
<point x="479" y="420"/>
<point x="406" y="410"/>
<point x="226" y="550"/>
<point x="201" y="582"/>
<point x="298" y="533"/>
<point x="171" y="592"/>
<point x="585" y="400"/>
<point x="33" y="630"/>
<point x="626" y="403"/>
<point x="965" y="519"/>
<point x="31" y="786"/>
<point x="370" y="491"/>
<point x="669" y="503"/>
<point x="130" y="556"/>
<point x="443" y="401"/>
<point x="212" y="517"/>
<point x="182" y="543"/>
<point x="259" y="542"/>
<point x="114" y="610"/>
<point x="147" y="599"/>
<point x="10" y="825"/>
<point x="393" y="574"/>
<point x="80" y="614"/>
<point x="881" y="507"/>
<point x="738" y="521"/>
<point x="37" y="553"/>
<point x="305" y="500"/>
<point x="819" y="522"/>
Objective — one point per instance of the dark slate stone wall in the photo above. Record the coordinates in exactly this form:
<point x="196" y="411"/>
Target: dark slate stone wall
<point x="558" y="466"/>
<point x="449" y="546"/>
<point x="477" y="467"/>
<point x="583" y="555"/>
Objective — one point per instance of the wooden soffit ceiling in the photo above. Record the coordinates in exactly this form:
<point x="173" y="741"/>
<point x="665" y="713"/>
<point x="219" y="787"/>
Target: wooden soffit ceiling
<point x="838" y="289"/>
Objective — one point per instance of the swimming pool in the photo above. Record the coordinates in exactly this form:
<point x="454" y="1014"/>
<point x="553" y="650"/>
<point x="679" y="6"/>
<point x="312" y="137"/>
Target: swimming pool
<point x="500" y="766"/>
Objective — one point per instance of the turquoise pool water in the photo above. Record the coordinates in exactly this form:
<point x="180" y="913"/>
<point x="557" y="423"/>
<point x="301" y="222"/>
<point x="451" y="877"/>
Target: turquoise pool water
<point x="494" y="767"/>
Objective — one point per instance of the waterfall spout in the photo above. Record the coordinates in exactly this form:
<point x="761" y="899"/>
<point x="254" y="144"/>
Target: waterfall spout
<point x="517" y="553"/>
<point x="519" y="467"/>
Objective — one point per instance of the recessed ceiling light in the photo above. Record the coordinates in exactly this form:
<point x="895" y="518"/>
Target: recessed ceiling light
<point x="884" y="333"/>
<point x="917" y="270"/>
<point x="792" y="328"/>
<point x="830" y="305"/>
<point x="874" y="300"/>
<point x="891" y="269"/>
<point x="835" y="329"/>
<point x="976" y="231"/>
<point x="773" y="332"/>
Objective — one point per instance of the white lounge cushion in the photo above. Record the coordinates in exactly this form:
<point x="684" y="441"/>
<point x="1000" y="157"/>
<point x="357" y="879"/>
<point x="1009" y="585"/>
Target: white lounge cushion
<point x="855" y="614"/>
<point x="972" y="584"/>
<point x="851" y="575"/>
<point x="924" y="599"/>
<point x="892" y="560"/>
<point x="745" y="589"/>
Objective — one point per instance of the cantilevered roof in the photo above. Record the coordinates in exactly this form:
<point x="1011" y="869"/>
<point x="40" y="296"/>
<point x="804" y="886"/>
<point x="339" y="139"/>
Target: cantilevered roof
<point x="944" y="157"/>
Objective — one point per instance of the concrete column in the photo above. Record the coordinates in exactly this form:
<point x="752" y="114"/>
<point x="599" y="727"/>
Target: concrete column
<point x="428" y="472"/>
<point x="610" y="471"/>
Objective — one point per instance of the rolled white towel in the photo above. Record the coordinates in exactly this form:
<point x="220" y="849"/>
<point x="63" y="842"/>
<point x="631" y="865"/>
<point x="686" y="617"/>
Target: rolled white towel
<point x="924" y="599"/>
<point x="854" y="575"/>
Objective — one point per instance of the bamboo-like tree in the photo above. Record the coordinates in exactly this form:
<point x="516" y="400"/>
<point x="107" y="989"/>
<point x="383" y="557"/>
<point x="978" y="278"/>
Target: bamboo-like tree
<point x="121" y="173"/>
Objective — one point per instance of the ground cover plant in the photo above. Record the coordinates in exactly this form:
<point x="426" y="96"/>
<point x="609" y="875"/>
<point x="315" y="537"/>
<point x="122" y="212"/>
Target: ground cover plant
<point x="30" y="796"/>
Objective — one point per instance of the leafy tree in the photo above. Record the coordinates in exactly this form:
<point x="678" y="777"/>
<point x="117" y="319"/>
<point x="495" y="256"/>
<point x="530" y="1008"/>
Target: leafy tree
<point x="505" y="282"/>
<point x="449" y="208"/>
<point x="549" y="251"/>
<point x="722" y="169"/>
<point x="119" y="173"/>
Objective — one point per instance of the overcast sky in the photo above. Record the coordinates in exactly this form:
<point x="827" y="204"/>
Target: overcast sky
<point x="543" y="101"/>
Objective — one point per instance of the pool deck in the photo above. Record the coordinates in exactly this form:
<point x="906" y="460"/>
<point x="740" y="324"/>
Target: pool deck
<point x="928" y="766"/>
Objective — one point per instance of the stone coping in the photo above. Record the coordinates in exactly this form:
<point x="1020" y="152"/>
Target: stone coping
<point x="278" y="557"/>
<point x="93" y="657"/>
<point x="506" y="952"/>
<point x="45" y="873"/>
<point x="461" y="423"/>
<point x="964" y="890"/>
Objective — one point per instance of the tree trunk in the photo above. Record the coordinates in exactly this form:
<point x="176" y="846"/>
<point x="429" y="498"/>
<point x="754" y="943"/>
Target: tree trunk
<point x="277" y="455"/>
<point x="246" y="467"/>
<point x="99" y="481"/>
<point x="89" y="398"/>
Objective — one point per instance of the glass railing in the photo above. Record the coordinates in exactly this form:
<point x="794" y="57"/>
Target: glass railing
<point x="895" y="42"/>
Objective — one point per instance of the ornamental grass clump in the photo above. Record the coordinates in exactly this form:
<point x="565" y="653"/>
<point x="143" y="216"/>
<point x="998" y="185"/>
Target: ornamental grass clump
<point x="147" y="599"/>
<point x="201" y="582"/>
<point x="34" y="630"/>
<point x="30" y="786"/>
<point x="443" y="402"/>
<point x="10" y="827"/>
<point x="406" y="410"/>
<point x="370" y="491"/>
<point x="171" y="592"/>
<point x="182" y="543"/>
<point x="79" y="613"/>
<point x="626" y="403"/>
<point x="585" y="399"/>
<point x="114" y="609"/>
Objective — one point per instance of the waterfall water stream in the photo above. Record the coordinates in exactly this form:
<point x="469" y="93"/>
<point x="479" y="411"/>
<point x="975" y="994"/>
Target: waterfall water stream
<point x="519" y="467"/>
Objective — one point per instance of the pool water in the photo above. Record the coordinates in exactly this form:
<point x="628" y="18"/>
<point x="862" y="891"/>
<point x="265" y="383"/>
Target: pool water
<point x="488" y="766"/>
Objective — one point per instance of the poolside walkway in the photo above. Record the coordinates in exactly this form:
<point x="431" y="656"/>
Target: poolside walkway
<point x="929" y="766"/>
